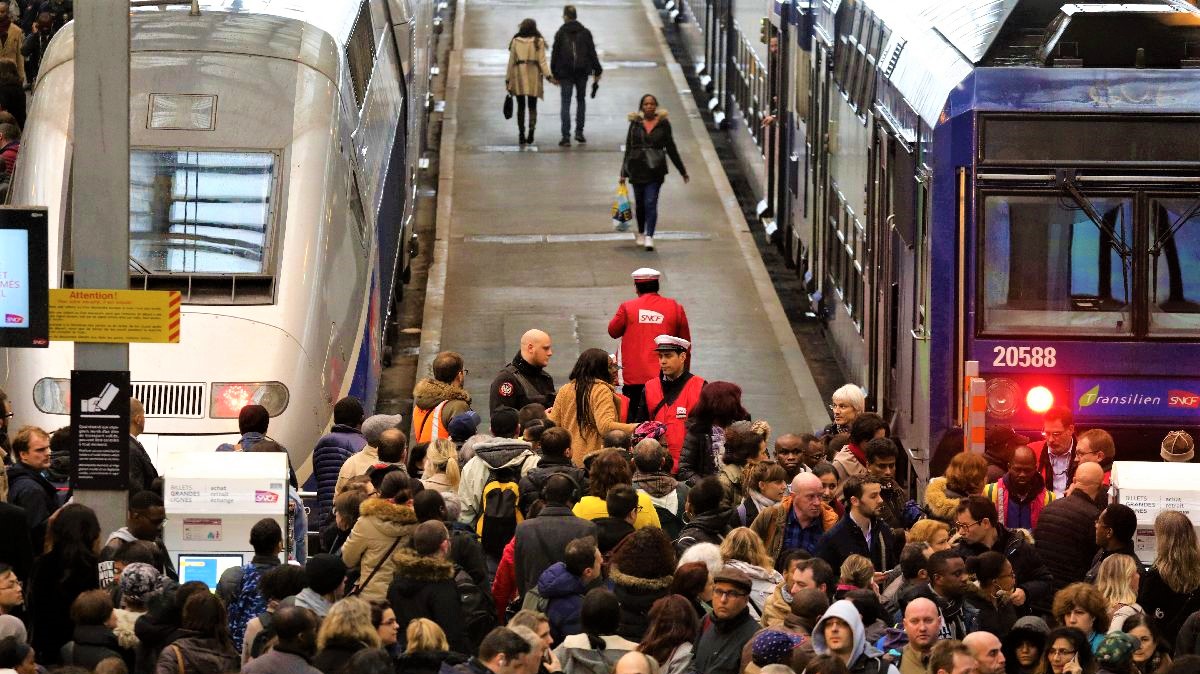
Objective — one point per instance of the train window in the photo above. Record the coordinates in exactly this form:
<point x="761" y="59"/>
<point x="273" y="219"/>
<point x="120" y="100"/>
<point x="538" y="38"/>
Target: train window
<point x="1049" y="268"/>
<point x="205" y="212"/>
<point x="360" y="53"/>
<point x="1175" y="266"/>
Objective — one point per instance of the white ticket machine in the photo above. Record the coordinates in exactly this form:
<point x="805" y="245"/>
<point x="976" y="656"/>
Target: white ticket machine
<point x="1150" y="487"/>
<point x="212" y="501"/>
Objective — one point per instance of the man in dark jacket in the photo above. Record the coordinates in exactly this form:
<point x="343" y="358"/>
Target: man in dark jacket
<point x="296" y="631"/>
<point x="542" y="540"/>
<point x="563" y="585"/>
<point x="465" y="550"/>
<point x="719" y="648"/>
<point x="1114" y="536"/>
<point x="423" y="585"/>
<point x="555" y="460"/>
<point x="709" y="521"/>
<point x="975" y="519"/>
<point x="142" y="473"/>
<point x="947" y="588"/>
<point x="572" y="59"/>
<point x="861" y="531"/>
<point x="622" y="504"/>
<point x="28" y="487"/>
<point x="502" y="651"/>
<point x="525" y="379"/>
<point x="1066" y="532"/>
<point x="343" y="441"/>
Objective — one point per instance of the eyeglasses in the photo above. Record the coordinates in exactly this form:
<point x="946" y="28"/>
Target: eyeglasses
<point x="839" y="406"/>
<point x="733" y="594"/>
<point x="964" y="526"/>
<point x="1053" y="434"/>
<point x="1061" y="652"/>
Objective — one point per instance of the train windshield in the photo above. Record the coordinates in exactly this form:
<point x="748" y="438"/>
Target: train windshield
<point x="1050" y="267"/>
<point x="1174" y="257"/>
<point x="199" y="211"/>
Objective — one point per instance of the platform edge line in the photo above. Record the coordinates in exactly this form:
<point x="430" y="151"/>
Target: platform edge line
<point x="789" y="345"/>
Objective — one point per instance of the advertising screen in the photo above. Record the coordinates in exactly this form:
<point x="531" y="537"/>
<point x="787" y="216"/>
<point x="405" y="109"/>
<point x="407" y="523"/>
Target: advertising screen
<point x="24" y="312"/>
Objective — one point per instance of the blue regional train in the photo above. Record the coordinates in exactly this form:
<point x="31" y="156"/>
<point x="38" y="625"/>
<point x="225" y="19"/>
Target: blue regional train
<point x="1015" y="182"/>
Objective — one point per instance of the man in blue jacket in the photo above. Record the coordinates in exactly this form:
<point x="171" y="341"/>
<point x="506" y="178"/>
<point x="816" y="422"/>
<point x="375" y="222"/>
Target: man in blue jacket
<point x="332" y="450"/>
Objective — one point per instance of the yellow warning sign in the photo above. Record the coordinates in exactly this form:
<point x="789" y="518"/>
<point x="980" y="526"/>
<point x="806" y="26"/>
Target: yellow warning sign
<point x="114" y="316"/>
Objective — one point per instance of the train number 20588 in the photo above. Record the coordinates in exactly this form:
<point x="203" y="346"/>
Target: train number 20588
<point x="1024" y="356"/>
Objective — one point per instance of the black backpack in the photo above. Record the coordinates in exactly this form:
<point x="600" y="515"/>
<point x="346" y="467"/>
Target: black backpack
<point x="500" y="510"/>
<point x="478" y="609"/>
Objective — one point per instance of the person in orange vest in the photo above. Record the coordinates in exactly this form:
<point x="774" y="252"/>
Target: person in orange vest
<point x="438" y="399"/>
<point x="669" y="397"/>
<point x="637" y="323"/>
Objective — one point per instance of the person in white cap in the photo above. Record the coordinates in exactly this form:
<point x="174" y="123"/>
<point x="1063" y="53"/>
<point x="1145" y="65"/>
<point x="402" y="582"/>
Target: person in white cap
<point x="670" y="397"/>
<point x="636" y="323"/>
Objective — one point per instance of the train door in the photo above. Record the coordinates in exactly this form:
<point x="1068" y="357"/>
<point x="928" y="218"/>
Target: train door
<point x="819" y="160"/>
<point x="778" y="138"/>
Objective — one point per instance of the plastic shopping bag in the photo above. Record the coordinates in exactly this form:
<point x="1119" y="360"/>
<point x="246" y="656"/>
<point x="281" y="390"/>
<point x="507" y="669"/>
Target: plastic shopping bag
<point x="622" y="211"/>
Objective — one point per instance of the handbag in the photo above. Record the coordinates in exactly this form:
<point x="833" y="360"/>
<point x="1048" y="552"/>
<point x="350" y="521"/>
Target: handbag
<point x="508" y="106"/>
<point x="387" y="556"/>
<point x="655" y="159"/>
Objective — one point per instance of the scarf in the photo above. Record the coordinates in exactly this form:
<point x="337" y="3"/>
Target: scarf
<point x="762" y="502"/>
<point x="717" y="446"/>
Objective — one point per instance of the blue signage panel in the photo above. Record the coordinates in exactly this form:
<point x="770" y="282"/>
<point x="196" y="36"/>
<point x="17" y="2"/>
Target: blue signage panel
<point x="1095" y="397"/>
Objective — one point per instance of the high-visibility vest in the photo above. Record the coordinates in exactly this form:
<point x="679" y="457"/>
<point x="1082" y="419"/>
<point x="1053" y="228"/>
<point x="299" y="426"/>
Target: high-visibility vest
<point x="674" y="415"/>
<point x="429" y="424"/>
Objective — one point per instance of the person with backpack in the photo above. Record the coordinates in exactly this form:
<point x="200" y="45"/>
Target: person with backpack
<point x="277" y="584"/>
<point x="489" y="489"/>
<point x="238" y="587"/>
<point x="555" y="459"/>
<point x="652" y="477"/>
<point x="572" y="59"/>
<point x="440" y="398"/>
<point x="542" y="541"/>
<point x="424" y="586"/>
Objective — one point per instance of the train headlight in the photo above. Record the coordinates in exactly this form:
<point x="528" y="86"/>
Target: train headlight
<point x="1039" y="399"/>
<point x="228" y="398"/>
<point x="52" y="396"/>
<point x="1002" y="396"/>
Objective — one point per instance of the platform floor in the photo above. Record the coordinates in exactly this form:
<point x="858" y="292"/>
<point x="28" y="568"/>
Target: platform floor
<point x="524" y="237"/>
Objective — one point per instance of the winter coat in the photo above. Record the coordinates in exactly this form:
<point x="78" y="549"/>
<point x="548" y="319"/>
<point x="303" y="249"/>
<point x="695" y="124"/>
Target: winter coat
<point x="1065" y="537"/>
<point x="276" y="661"/>
<point x="763" y="584"/>
<point x="644" y="161"/>
<point x="997" y="618"/>
<point x="509" y="387"/>
<point x="379" y="524"/>
<point x="527" y="66"/>
<point x="16" y="550"/>
<point x="636" y="596"/>
<point x="30" y="490"/>
<point x="777" y="607"/>
<point x="357" y="464"/>
<point x="680" y="661"/>
<point x="959" y="618"/>
<point x="336" y="654"/>
<point x="467" y="553"/>
<point x="1104" y="553"/>
<point x="719" y="648"/>
<point x="504" y="584"/>
<point x="847" y="538"/>
<point x="731" y="479"/>
<point x="423" y="587"/>
<point x="1046" y="468"/>
<point x="563" y="592"/>
<point x="594" y="507"/>
<point x="429" y="393"/>
<point x="578" y="657"/>
<point x="1012" y="511"/>
<point x="331" y="452"/>
<point x="535" y="479"/>
<point x="491" y="455"/>
<point x="1169" y="608"/>
<point x="610" y="531"/>
<point x="864" y="658"/>
<point x="636" y="323"/>
<point x="602" y="397"/>
<point x="847" y="464"/>
<point x="53" y="586"/>
<point x="155" y="630"/>
<point x="199" y="655"/>
<point x="431" y="662"/>
<point x="542" y="541"/>
<point x="92" y="644"/>
<point x="574" y="52"/>
<point x="771" y="522"/>
<point x="142" y="473"/>
<point x="941" y="502"/>
<point x="706" y="528"/>
<point x="1032" y="574"/>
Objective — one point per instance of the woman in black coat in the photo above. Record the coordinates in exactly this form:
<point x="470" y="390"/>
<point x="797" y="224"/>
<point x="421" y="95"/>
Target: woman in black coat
<point x="647" y="145"/>
<point x="59" y="576"/>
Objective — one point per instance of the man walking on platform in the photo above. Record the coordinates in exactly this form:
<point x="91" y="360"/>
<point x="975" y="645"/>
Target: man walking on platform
<point x="670" y="397"/>
<point x="572" y="59"/>
<point x="636" y="323"/>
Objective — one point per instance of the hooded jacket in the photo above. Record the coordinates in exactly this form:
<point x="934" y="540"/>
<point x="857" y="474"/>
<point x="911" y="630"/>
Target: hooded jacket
<point x="578" y="657"/>
<point x="92" y="644"/>
<point x="641" y="145"/>
<point x="423" y="587"/>
<point x="563" y="592"/>
<point x="719" y="648"/>
<point x="198" y="654"/>
<point x="429" y="393"/>
<point x="535" y="479"/>
<point x="331" y="452"/>
<point x="706" y="528"/>
<point x="574" y="52"/>
<point x="763" y="584"/>
<point x="770" y="524"/>
<point x="605" y="412"/>
<point x="490" y="455"/>
<point x="636" y="596"/>
<point x="379" y="524"/>
<point x="864" y="658"/>
<point x="941" y="502"/>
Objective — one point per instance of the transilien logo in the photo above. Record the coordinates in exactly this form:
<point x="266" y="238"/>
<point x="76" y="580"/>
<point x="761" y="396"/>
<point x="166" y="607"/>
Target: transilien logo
<point x="1089" y="397"/>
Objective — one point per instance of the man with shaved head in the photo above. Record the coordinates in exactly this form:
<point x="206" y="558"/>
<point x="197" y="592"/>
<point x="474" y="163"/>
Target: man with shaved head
<point x="1020" y="494"/>
<point x="1066" y="533"/>
<point x="922" y="623"/>
<point x="987" y="650"/>
<point x="525" y="380"/>
<point x="798" y="522"/>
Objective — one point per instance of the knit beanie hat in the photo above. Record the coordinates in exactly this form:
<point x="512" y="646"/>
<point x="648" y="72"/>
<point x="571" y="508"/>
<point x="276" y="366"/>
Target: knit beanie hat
<point x="774" y="647"/>
<point x="138" y="581"/>
<point x="1178" y="447"/>
<point x="463" y="426"/>
<point x="1116" y="650"/>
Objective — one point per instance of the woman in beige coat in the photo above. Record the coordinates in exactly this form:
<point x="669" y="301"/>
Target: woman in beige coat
<point x="526" y="68"/>
<point x="587" y="406"/>
<point x="380" y="523"/>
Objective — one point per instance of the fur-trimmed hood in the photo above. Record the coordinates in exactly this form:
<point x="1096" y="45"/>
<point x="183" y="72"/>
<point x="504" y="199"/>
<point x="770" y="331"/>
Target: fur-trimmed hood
<point x="626" y="580"/>
<point x="429" y="392"/>
<point x="412" y="567"/>
<point x="941" y="504"/>
<point x="388" y="512"/>
<point x="639" y="116"/>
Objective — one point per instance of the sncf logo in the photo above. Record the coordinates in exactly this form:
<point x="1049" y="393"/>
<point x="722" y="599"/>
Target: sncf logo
<point x="1184" y="399"/>
<point x="265" y="496"/>
<point x="647" y="316"/>
<point x="17" y="319"/>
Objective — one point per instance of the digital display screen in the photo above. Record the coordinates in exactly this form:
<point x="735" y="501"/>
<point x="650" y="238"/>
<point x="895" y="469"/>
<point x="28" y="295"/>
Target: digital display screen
<point x="206" y="568"/>
<point x="24" y="294"/>
<point x="14" y="279"/>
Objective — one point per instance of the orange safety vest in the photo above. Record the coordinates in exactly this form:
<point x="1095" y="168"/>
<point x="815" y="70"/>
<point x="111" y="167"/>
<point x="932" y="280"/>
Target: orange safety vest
<point x="674" y="415"/>
<point x="429" y="424"/>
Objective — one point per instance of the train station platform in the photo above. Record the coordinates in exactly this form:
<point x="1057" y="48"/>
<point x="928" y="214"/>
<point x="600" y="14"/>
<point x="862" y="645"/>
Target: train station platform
<point x="524" y="237"/>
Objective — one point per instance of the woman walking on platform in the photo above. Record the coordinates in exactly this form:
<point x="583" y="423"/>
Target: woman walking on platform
<point x="526" y="68"/>
<point x="647" y="145"/>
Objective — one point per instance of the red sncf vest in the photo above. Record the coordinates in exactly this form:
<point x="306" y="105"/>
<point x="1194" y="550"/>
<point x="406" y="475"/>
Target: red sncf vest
<point x="674" y="415"/>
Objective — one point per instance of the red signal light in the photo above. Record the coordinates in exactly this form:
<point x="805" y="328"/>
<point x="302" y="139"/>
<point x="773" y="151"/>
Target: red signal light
<point x="1039" y="399"/>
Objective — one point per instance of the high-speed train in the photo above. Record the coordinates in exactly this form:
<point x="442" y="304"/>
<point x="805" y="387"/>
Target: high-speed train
<point x="274" y="154"/>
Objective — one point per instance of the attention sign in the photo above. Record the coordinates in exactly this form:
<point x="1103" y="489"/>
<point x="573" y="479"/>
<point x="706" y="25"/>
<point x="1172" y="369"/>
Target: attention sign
<point x="115" y="316"/>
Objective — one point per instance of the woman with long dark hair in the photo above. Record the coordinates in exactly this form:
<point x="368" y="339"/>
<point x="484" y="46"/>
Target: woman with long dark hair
<point x="719" y="406"/>
<point x="673" y="629"/>
<point x="1067" y="652"/>
<point x="527" y="67"/>
<point x="587" y="406"/>
<point x="648" y="143"/>
<point x="66" y="571"/>
<point x="205" y="644"/>
<point x="1154" y="653"/>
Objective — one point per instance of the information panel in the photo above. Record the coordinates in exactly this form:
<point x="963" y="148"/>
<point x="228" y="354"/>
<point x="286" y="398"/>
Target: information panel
<point x="114" y="316"/>
<point x="100" y="425"/>
<point x="23" y="278"/>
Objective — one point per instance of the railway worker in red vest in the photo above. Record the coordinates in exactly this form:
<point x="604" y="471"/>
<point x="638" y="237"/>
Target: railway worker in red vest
<point x="637" y="322"/>
<point x="670" y="396"/>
